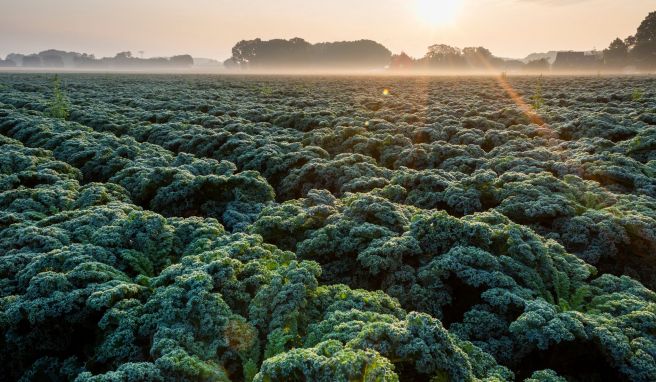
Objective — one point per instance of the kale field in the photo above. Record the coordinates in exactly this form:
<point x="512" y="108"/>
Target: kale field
<point x="229" y="228"/>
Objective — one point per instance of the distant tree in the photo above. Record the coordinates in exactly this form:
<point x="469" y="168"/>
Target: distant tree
<point x="124" y="59"/>
<point x="155" y="62"/>
<point x="446" y="57"/>
<point x="478" y="51"/>
<point x="183" y="60"/>
<point x="244" y="51"/>
<point x="647" y="29"/>
<point x="280" y="52"/>
<point x="297" y="52"/>
<point x="16" y="58"/>
<point x="443" y="56"/>
<point x="644" y="51"/>
<point x="32" y="61"/>
<point x="630" y="42"/>
<point x="123" y="55"/>
<point x="231" y="63"/>
<point x="401" y="61"/>
<point x="511" y="65"/>
<point x="86" y="60"/>
<point x="617" y="54"/>
<point x="539" y="65"/>
<point x="349" y="54"/>
<point x="7" y="63"/>
<point x="442" y="50"/>
<point x="272" y="53"/>
<point x="52" y="61"/>
<point x="53" y="58"/>
<point x="480" y="58"/>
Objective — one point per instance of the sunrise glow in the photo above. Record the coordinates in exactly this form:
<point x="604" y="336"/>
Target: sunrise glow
<point x="438" y="12"/>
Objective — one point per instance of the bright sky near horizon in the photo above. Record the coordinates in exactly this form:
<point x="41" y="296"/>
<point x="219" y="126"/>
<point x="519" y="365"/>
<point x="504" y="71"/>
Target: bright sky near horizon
<point x="209" y="28"/>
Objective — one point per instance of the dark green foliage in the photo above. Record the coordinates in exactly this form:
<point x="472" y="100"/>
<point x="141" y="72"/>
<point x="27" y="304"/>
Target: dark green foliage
<point x="178" y="185"/>
<point x="328" y="361"/>
<point x="437" y="234"/>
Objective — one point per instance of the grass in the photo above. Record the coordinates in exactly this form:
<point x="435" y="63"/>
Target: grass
<point x="537" y="100"/>
<point x="59" y="106"/>
<point x="637" y="95"/>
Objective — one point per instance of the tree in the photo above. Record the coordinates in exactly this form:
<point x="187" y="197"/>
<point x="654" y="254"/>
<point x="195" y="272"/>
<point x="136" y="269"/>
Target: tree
<point x="294" y="53"/>
<point x="480" y="58"/>
<point x="123" y="55"/>
<point x="32" y="61"/>
<point x="52" y="61"/>
<point x="617" y="53"/>
<point x="123" y="59"/>
<point x="540" y="65"/>
<point x="644" y="51"/>
<point x="183" y="60"/>
<point x="7" y="63"/>
<point x="444" y="56"/>
<point x="401" y="62"/>
<point x="630" y="42"/>
<point x="438" y="50"/>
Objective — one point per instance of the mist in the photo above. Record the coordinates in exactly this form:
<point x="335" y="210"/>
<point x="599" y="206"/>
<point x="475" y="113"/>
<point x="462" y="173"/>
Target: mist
<point x="419" y="37"/>
<point x="204" y="28"/>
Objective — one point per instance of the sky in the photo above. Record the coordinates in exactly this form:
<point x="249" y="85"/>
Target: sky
<point x="209" y="28"/>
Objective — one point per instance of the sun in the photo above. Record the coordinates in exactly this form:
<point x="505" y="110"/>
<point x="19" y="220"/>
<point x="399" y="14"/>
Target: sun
<point x="438" y="12"/>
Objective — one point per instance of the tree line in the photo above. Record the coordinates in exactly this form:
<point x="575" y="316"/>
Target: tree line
<point x="298" y="53"/>
<point x="637" y="52"/>
<point x="60" y="59"/>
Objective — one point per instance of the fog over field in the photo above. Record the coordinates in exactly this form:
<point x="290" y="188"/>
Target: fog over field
<point x="204" y="28"/>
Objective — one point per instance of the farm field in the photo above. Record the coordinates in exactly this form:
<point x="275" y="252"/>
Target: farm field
<point x="267" y="228"/>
